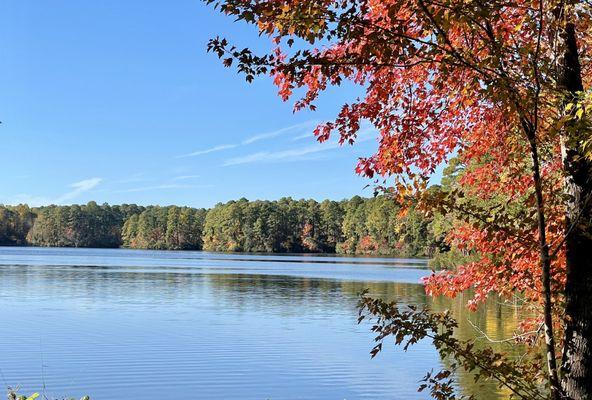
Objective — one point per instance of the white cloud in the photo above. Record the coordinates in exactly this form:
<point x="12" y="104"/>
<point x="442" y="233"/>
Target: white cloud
<point x="365" y="134"/>
<point x="134" y="178"/>
<point x="268" y="135"/>
<point x="185" y="177"/>
<point x="281" y="156"/>
<point x="308" y="125"/>
<point x="303" y="136"/>
<point x="161" y="187"/>
<point x="78" y="188"/>
<point x="31" y="200"/>
<point x="210" y="150"/>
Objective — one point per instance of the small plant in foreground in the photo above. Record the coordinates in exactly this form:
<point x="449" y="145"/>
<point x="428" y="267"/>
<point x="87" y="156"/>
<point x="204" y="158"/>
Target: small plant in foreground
<point x="14" y="395"/>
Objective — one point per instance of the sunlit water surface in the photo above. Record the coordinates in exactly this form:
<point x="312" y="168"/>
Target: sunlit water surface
<point x="129" y="324"/>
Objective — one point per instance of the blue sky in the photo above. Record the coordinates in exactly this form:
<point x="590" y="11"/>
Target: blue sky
<point x="118" y="101"/>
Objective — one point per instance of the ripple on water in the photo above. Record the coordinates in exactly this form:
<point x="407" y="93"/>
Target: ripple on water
<point x="121" y="324"/>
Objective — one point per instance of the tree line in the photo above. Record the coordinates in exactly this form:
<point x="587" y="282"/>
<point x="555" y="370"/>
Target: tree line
<point x="372" y="226"/>
<point x="354" y="226"/>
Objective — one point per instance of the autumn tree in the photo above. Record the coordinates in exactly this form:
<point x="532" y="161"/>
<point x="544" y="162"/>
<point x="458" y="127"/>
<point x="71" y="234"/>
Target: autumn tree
<point x="331" y="223"/>
<point x="370" y="226"/>
<point x="306" y="226"/>
<point x="89" y="225"/>
<point x="15" y="223"/>
<point x="502" y="84"/>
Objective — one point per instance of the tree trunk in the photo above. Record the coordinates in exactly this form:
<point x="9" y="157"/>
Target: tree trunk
<point x="577" y="352"/>
<point x="546" y="270"/>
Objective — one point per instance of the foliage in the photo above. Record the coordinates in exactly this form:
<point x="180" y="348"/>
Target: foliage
<point x="407" y="326"/>
<point x="440" y="79"/>
<point x="15" y="223"/>
<point x="88" y="225"/>
<point x="165" y="228"/>
<point x="375" y="226"/>
<point x="504" y="86"/>
<point x="355" y="226"/>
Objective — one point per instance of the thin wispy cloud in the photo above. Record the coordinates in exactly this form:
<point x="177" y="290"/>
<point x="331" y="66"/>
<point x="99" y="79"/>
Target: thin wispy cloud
<point x="303" y="136"/>
<point x="161" y="187"/>
<point x="269" y="135"/>
<point x="25" y="198"/>
<point x="134" y="178"/>
<point x="308" y="125"/>
<point x="207" y="151"/>
<point x="77" y="189"/>
<point x="366" y="133"/>
<point x="185" y="177"/>
<point x="280" y="156"/>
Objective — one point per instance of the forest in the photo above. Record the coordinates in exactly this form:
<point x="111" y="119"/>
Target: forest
<point x="370" y="226"/>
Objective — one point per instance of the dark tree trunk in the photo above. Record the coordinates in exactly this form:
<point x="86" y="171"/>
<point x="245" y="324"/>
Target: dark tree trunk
<point x="546" y="270"/>
<point x="577" y="352"/>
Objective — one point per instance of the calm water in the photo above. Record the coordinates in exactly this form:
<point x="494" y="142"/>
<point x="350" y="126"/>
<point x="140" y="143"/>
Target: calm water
<point x="129" y="324"/>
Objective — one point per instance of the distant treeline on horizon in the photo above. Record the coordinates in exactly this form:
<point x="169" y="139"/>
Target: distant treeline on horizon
<point x="359" y="225"/>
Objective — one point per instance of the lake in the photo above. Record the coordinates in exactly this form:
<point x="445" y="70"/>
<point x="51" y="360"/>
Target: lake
<point x="130" y="324"/>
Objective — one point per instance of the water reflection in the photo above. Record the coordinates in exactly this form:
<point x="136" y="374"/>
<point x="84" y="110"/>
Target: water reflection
<point x="130" y="324"/>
